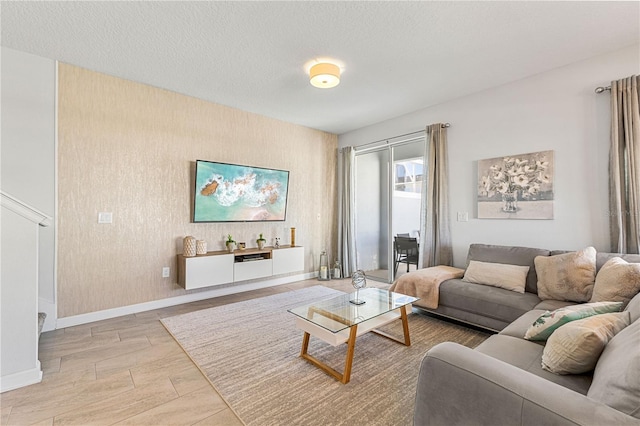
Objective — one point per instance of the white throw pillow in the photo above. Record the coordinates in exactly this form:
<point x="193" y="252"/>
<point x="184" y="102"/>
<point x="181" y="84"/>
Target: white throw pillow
<point x="568" y="276"/>
<point x="510" y="277"/>
<point x="617" y="281"/>
<point x="575" y="347"/>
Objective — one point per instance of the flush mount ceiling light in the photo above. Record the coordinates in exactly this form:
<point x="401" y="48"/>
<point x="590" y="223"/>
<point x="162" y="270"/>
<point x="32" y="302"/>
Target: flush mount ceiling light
<point x="324" y="75"/>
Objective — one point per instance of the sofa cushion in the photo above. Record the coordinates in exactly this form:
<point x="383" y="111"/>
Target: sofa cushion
<point x="523" y="256"/>
<point x="602" y="258"/>
<point x="519" y="327"/>
<point x="575" y="347"/>
<point x="509" y="277"/>
<point x="568" y="276"/>
<point x="634" y="308"/>
<point x="552" y="305"/>
<point x="548" y="322"/>
<point x="491" y="302"/>
<point x="617" y="280"/>
<point x="616" y="379"/>
<point x="528" y="356"/>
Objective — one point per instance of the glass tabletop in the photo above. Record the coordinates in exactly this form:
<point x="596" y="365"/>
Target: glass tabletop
<point x="339" y="313"/>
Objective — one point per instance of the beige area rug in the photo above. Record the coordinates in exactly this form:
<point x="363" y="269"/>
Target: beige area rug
<point x="250" y="353"/>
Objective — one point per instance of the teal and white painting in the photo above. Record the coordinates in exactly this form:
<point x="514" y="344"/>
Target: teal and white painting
<point x="234" y="193"/>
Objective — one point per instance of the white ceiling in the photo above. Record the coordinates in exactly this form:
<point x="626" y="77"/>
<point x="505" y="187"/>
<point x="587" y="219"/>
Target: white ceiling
<point x="397" y="57"/>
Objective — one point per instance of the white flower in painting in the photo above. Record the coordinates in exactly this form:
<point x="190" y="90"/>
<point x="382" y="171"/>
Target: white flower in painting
<point x="542" y="164"/>
<point x="544" y="177"/>
<point x="521" y="180"/>
<point x="503" y="187"/>
<point x="513" y="171"/>
<point x="496" y="168"/>
<point x="520" y="163"/>
<point x="485" y="182"/>
<point x="533" y="190"/>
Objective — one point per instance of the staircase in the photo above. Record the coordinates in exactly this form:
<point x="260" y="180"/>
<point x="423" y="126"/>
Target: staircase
<point x="41" y="317"/>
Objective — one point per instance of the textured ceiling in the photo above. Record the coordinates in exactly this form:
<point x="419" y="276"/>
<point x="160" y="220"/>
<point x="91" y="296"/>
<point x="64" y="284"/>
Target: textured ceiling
<point x="397" y="57"/>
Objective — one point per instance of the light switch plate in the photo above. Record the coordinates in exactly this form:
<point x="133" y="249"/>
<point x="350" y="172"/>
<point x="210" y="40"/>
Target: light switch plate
<point x="105" y="217"/>
<point x="463" y="217"/>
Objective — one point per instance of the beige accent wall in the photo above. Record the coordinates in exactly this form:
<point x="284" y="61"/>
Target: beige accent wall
<point x="129" y="149"/>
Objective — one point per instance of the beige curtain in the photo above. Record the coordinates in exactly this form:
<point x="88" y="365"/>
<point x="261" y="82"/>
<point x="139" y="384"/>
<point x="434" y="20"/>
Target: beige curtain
<point x="347" y="219"/>
<point x="435" y="235"/>
<point x="624" y="166"/>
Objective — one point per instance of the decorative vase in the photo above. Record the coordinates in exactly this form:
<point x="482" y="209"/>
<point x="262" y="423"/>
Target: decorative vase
<point x="231" y="246"/>
<point x="189" y="246"/>
<point x="261" y="244"/>
<point x="293" y="237"/>
<point x="510" y="202"/>
<point x="201" y="247"/>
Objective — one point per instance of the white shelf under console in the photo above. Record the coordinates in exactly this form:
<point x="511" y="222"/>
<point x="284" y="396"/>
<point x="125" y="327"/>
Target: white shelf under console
<point x="222" y="267"/>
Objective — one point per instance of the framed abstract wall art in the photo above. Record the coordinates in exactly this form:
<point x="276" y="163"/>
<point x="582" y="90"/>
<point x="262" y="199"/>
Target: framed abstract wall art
<point x="516" y="187"/>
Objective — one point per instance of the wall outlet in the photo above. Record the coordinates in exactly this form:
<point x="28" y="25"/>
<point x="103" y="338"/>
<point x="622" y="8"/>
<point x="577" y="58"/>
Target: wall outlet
<point x="463" y="217"/>
<point x="165" y="272"/>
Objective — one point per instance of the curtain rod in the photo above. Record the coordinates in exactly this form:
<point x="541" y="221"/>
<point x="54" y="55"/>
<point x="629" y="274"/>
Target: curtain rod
<point x="602" y="89"/>
<point x="444" y="125"/>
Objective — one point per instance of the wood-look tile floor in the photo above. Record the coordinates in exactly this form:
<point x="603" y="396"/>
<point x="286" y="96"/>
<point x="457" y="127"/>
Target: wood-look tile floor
<point x="127" y="371"/>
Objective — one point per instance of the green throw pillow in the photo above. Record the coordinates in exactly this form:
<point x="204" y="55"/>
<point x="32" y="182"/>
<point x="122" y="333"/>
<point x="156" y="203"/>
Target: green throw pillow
<point x="548" y="322"/>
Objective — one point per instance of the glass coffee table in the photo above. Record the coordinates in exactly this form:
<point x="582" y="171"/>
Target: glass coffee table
<point x="339" y="320"/>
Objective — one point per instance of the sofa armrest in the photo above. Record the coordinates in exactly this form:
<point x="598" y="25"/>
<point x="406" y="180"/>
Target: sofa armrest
<point x="459" y="386"/>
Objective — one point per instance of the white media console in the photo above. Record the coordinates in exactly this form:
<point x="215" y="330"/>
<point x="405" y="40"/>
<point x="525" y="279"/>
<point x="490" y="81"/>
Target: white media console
<point x="222" y="267"/>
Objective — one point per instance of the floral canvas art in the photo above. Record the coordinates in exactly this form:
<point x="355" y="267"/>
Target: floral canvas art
<point x="516" y="187"/>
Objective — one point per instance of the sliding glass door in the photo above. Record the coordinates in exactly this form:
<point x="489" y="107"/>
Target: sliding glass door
<point x="372" y="213"/>
<point x="387" y="201"/>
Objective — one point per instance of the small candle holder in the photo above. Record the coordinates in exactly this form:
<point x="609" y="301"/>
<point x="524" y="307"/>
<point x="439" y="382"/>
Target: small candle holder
<point x="323" y="273"/>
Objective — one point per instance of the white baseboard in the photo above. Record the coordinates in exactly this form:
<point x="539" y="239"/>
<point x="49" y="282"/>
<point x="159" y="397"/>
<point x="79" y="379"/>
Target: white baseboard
<point x="172" y="301"/>
<point x="50" y="309"/>
<point x="21" y="379"/>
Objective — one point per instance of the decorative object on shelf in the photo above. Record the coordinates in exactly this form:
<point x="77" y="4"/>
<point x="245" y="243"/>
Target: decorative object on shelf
<point x="277" y="244"/>
<point x="242" y="246"/>
<point x="261" y="242"/>
<point x="231" y="244"/>
<point x="337" y="270"/>
<point x="189" y="246"/>
<point x="518" y="187"/>
<point x="358" y="280"/>
<point x="323" y="273"/>
<point x="293" y="237"/>
<point x="201" y="247"/>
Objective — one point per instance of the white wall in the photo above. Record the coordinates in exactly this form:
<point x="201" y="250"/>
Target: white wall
<point x="28" y="151"/>
<point x="555" y="110"/>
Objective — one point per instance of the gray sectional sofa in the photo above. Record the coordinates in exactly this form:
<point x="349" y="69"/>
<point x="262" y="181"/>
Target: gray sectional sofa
<point x="495" y="308"/>
<point x="501" y="382"/>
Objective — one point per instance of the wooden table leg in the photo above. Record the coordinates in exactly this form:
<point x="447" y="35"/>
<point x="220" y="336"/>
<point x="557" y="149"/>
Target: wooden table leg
<point x="351" y="346"/>
<point x="343" y="377"/>
<point x="405" y="325"/>
<point x="405" y="328"/>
